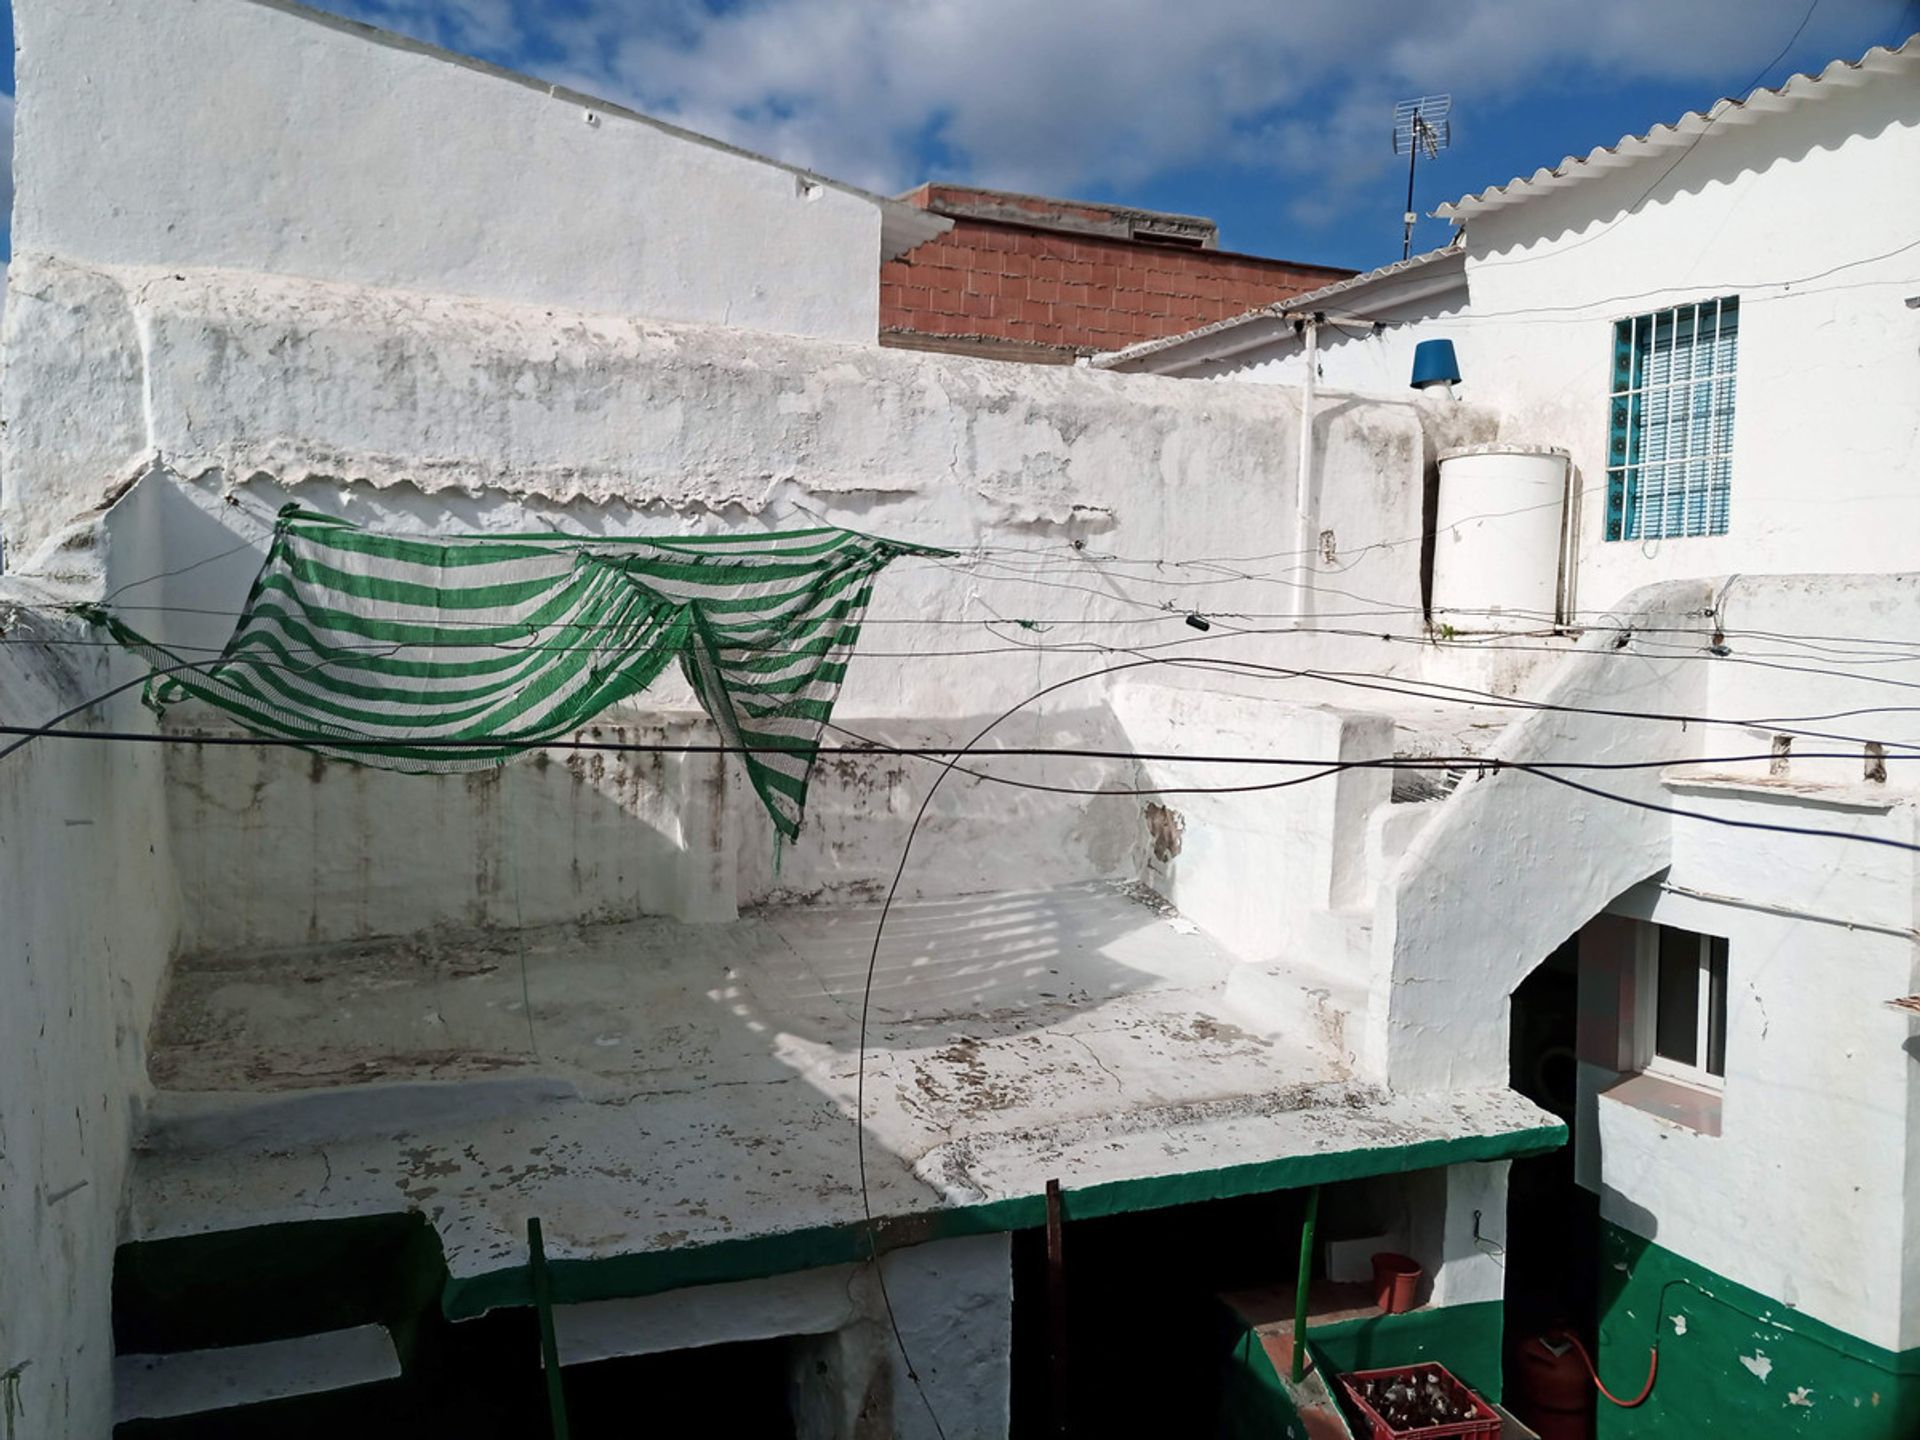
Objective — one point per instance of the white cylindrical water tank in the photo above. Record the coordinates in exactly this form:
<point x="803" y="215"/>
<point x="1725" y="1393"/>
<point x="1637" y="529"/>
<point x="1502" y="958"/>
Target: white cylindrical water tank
<point x="1498" y="537"/>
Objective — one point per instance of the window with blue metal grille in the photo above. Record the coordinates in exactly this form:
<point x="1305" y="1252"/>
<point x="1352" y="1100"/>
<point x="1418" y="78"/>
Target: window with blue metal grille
<point x="1670" y="431"/>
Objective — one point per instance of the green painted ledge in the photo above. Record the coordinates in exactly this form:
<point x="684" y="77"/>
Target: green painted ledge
<point x="617" y="1277"/>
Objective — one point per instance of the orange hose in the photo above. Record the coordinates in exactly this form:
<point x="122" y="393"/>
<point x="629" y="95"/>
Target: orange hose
<point x="1653" y="1369"/>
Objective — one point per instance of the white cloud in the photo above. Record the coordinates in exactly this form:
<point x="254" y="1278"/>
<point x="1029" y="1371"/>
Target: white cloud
<point x="1065" y="95"/>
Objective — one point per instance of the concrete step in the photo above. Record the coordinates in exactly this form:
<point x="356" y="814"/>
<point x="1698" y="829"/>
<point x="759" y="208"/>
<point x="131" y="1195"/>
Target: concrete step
<point x="196" y="1383"/>
<point x="1392" y="829"/>
<point x="310" y="1328"/>
<point x="1323" y="1004"/>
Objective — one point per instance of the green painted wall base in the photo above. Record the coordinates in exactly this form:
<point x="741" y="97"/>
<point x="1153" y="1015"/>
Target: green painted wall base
<point x="1464" y="1338"/>
<point x="1818" y="1380"/>
<point x="1253" y="1403"/>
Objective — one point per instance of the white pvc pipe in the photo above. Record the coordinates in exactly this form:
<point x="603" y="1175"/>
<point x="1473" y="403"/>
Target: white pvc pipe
<point x="1306" y="541"/>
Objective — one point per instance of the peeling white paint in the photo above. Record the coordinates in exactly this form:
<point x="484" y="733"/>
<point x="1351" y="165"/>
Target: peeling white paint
<point x="1679" y="1324"/>
<point x="1758" y="1363"/>
<point x="88" y="915"/>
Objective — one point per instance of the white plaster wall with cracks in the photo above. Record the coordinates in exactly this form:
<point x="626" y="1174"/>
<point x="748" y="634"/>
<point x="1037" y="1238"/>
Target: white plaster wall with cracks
<point x="88" y="916"/>
<point x="431" y="409"/>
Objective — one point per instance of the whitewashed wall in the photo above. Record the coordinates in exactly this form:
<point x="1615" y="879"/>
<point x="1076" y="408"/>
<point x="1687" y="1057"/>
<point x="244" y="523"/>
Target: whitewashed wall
<point x="1513" y="864"/>
<point x="1788" y="211"/>
<point x="365" y="402"/>
<point x="264" y="136"/>
<point x="1820" y="1102"/>
<point x="1817" y="1119"/>
<point x="88" y="913"/>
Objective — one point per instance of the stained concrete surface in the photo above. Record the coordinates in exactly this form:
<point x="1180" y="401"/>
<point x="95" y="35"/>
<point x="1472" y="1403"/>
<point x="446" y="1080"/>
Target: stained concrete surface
<point x="673" y="1085"/>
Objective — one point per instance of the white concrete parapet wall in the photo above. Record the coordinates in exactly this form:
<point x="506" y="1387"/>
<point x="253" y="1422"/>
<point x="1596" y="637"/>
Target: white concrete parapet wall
<point x="448" y="412"/>
<point x="265" y="136"/>
<point x="1061" y="492"/>
<point x="88" y="914"/>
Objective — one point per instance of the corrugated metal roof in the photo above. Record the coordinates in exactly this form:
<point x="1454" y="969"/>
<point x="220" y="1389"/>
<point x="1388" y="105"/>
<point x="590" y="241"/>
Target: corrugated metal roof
<point x="1280" y="313"/>
<point x="1632" y="149"/>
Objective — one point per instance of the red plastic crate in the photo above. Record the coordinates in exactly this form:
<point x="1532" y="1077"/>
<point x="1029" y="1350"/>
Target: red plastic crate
<point x="1484" y="1425"/>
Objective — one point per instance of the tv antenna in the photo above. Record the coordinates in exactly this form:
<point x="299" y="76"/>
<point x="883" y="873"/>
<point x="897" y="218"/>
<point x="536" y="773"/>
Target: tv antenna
<point x="1420" y="127"/>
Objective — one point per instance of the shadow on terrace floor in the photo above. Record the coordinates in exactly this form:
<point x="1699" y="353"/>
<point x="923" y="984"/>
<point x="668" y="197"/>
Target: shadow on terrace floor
<point x="656" y="1085"/>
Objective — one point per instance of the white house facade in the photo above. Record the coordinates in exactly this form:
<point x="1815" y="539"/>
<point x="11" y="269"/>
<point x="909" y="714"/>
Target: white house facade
<point x="1715" y="325"/>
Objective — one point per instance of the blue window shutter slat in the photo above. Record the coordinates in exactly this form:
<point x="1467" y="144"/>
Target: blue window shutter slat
<point x="1670" y="421"/>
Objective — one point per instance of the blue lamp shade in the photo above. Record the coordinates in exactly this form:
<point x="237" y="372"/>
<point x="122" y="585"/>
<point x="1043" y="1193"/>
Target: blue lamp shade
<point x="1434" y="363"/>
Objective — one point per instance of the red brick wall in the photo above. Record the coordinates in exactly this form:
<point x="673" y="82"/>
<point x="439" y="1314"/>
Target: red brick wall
<point x="1007" y="282"/>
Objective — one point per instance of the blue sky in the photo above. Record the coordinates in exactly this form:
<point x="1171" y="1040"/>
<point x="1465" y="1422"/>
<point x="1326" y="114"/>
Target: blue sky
<point x="1272" y="118"/>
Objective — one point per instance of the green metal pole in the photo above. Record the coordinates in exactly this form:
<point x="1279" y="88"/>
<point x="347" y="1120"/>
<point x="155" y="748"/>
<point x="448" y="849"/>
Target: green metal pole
<point x="549" y="1347"/>
<point x="1300" y="1291"/>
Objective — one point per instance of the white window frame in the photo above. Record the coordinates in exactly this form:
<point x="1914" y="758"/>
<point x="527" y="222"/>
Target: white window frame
<point x="1647" y="1013"/>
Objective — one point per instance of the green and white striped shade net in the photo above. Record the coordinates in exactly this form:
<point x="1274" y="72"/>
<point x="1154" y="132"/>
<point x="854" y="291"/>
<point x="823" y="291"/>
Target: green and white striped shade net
<point x="453" y="653"/>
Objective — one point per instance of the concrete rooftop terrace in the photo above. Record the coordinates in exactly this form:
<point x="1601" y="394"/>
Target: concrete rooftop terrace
<point x="676" y="1105"/>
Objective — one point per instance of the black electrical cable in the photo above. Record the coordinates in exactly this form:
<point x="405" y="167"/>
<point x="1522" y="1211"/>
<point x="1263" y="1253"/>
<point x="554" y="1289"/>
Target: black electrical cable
<point x="1723" y="820"/>
<point x="1429" y="691"/>
<point x="1416" y="764"/>
<point x="906" y="851"/>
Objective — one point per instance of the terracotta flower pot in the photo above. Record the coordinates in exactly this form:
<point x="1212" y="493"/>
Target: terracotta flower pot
<point x="1396" y="1281"/>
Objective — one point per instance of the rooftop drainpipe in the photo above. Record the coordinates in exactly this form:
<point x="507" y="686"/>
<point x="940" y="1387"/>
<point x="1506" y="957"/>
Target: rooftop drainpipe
<point x="1305" y="512"/>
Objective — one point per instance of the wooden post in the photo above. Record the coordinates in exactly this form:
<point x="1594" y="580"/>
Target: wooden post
<point x="1300" y="1291"/>
<point x="1058" y="1398"/>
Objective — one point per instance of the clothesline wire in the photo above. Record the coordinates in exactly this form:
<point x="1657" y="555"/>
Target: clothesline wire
<point x="1219" y="629"/>
<point x="1425" y="690"/>
<point x="870" y="747"/>
<point x="1162" y="614"/>
<point x="1074" y="558"/>
<point x="1472" y="639"/>
<point x="1165" y="612"/>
